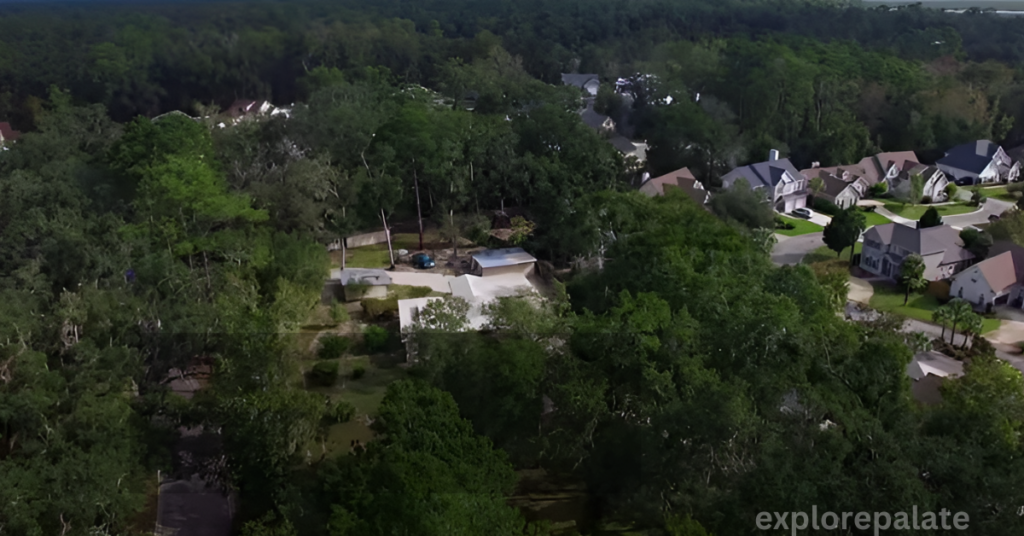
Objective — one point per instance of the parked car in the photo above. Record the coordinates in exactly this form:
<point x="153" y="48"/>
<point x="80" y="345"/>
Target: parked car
<point x="993" y="217"/>
<point x="803" y="212"/>
<point x="422" y="261"/>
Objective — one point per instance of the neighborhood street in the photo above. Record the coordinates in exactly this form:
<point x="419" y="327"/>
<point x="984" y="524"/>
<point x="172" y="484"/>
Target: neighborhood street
<point x="991" y="206"/>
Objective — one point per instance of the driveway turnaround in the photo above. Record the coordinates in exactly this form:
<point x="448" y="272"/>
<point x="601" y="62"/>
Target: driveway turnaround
<point x="792" y="249"/>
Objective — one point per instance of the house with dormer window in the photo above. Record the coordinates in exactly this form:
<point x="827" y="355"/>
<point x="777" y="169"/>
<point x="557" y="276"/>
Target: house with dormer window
<point x="979" y="162"/>
<point x="786" y="187"/>
<point x="886" y="246"/>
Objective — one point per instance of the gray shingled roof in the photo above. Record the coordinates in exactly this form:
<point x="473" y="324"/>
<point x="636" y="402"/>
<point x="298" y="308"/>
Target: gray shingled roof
<point x="593" y="119"/>
<point x="973" y="157"/>
<point x="623" y="145"/>
<point x="579" y="80"/>
<point x="767" y="174"/>
<point x="942" y="239"/>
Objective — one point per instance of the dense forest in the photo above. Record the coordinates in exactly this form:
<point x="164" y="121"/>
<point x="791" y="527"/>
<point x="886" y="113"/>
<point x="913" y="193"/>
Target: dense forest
<point x="691" y="383"/>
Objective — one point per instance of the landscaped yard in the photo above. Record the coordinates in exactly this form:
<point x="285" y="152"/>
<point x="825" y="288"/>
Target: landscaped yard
<point x="825" y="254"/>
<point x="888" y="297"/>
<point x="873" y="218"/>
<point x="999" y="192"/>
<point x="800" y="227"/>
<point x="914" y="212"/>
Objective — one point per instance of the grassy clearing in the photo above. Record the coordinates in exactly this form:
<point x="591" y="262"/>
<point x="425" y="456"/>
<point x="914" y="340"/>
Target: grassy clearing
<point x="800" y="227"/>
<point x="889" y="298"/>
<point x="407" y="292"/>
<point x="914" y="212"/>
<point x="824" y="254"/>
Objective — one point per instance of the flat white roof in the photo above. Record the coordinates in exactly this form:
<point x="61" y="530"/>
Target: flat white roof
<point x="409" y="309"/>
<point x="935" y="364"/>
<point x="471" y="287"/>
<point x="492" y="258"/>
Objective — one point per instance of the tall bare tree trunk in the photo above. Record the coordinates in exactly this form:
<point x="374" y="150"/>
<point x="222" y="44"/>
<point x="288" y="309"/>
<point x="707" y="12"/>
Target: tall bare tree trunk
<point x="455" y="234"/>
<point x="343" y="253"/>
<point x="387" y="234"/>
<point x="419" y="212"/>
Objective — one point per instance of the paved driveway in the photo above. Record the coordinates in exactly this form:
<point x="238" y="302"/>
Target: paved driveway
<point x="792" y="249"/>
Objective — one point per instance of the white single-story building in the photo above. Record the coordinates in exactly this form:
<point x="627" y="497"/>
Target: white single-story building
<point x="491" y="262"/>
<point x="928" y="371"/>
<point x="360" y="283"/>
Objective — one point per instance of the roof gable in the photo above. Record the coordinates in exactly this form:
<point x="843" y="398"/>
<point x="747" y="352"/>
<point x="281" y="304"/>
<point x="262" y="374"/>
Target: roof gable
<point x="973" y="157"/>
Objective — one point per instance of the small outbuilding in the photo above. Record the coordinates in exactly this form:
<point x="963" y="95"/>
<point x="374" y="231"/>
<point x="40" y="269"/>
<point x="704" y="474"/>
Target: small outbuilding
<point x="491" y="262"/>
<point x="359" y="283"/>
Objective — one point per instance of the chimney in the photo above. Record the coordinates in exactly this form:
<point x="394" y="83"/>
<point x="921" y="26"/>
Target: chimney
<point x="773" y="155"/>
<point x="980" y="148"/>
<point x="815" y="165"/>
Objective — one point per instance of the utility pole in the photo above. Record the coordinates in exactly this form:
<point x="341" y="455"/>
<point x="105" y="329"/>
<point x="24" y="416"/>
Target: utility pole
<point x="419" y="212"/>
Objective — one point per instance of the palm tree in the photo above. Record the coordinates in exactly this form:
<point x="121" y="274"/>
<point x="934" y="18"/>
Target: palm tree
<point x="972" y="325"/>
<point x="941" y="316"/>
<point x="959" y="309"/>
<point x="912" y="275"/>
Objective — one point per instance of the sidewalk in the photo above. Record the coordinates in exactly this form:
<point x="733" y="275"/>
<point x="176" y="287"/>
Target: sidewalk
<point x="895" y="218"/>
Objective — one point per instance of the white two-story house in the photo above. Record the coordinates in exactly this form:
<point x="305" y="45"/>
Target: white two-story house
<point x="786" y="187"/>
<point x="979" y="162"/>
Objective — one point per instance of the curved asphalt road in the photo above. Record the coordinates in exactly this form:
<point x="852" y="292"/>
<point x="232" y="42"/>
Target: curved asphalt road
<point x="991" y="207"/>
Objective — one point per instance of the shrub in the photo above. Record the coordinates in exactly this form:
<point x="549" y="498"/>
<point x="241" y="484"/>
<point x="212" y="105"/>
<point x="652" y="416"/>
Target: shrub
<point x="332" y="347"/>
<point x="324" y="373"/>
<point x="479" y="235"/>
<point x="375" y="338"/>
<point x="926" y="200"/>
<point x="783" y="224"/>
<point x="358" y="372"/>
<point x="420" y="292"/>
<point x="341" y="412"/>
<point x="978" y="198"/>
<point x="1015" y="187"/>
<point x="339" y="314"/>
<point x="825" y="207"/>
<point x="380" y="308"/>
<point x="951" y="190"/>
<point x="878" y="189"/>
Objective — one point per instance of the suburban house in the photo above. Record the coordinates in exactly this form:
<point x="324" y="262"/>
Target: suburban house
<point x="491" y="262"/>
<point x="601" y="123"/>
<point x="934" y="182"/>
<point x="628" y="148"/>
<point x="588" y="83"/>
<point x="979" y="162"/>
<point x="7" y="134"/>
<point x="786" y="187"/>
<point x="841" y="186"/>
<point x="680" y="178"/>
<point x="993" y="281"/>
<point x="885" y="247"/>
<point x="884" y="167"/>
<point x="478" y="291"/>
<point x="246" y="108"/>
<point x="359" y="283"/>
<point x="928" y="371"/>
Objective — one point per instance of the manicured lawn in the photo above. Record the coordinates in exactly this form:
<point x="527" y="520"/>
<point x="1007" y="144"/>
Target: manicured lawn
<point x="800" y="227"/>
<point x="874" y="218"/>
<point x="999" y="192"/>
<point x="914" y="212"/>
<point x="825" y="254"/>
<point x="889" y="298"/>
